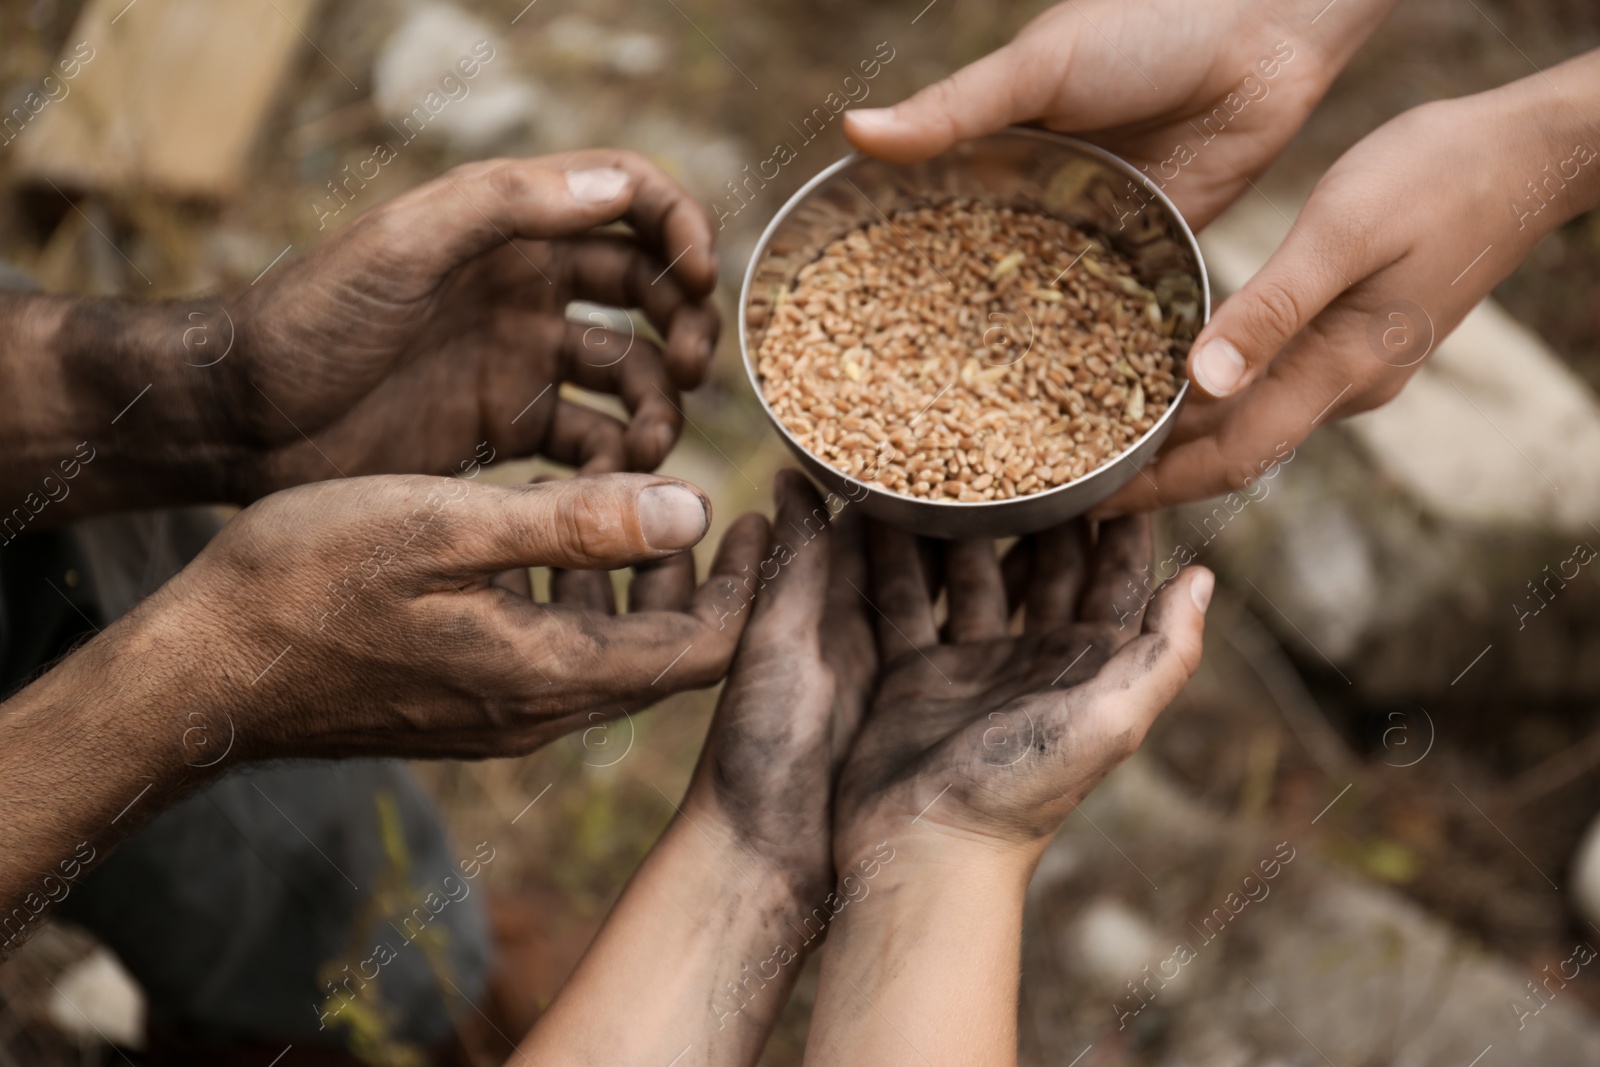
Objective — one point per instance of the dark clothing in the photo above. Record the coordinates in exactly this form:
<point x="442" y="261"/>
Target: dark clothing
<point x="255" y="908"/>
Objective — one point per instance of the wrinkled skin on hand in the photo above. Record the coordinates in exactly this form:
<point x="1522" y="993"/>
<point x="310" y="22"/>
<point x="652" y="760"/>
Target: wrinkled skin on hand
<point x="437" y="321"/>
<point x="984" y="734"/>
<point x="364" y="617"/>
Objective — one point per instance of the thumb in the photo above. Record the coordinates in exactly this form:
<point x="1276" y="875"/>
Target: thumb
<point x="595" y="523"/>
<point x="980" y="98"/>
<point x="479" y="206"/>
<point x="1312" y="266"/>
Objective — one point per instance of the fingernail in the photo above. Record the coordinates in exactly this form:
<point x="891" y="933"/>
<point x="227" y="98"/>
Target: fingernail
<point x="1200" y="589"/>
<point x="598" y="185"/>
<point x="671" y="516"/>
<point x="1218" y="367"/>
<point x="872" y="117"/>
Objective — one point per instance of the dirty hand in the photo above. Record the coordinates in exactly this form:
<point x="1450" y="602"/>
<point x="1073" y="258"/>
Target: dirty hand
<point x="706" y="942"/>
<point x="978" y="736"/>
<point x="977" y="744"/>
<point x="793" y="697"/>
<point x="438" y="320"/>
<point x="1399" y="240"/>
<point x="362" y="617"/>
<point x="1201" y="96"/>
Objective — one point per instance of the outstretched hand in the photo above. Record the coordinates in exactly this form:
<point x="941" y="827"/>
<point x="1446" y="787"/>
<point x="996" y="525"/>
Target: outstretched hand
<point x="978" y="742"/>
<point x="984" y="735"/>
<point x="1202" y="96"/>
<point x="372" y="616"/>
<point x="1373" y="275"/>
<point x="794" y="696"/>
<point x="438" y="320"/>
<point x="705" y="942"/>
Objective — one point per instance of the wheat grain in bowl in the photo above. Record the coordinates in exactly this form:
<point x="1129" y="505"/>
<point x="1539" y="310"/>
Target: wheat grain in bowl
<point x="970" y="352"/>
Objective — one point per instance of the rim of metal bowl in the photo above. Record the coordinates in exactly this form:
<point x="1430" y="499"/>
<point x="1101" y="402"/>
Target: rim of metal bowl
<point x="800" y="196"/>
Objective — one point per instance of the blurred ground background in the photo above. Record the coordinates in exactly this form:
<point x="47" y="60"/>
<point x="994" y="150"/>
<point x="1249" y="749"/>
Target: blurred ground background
<point x="1433" y="801"/>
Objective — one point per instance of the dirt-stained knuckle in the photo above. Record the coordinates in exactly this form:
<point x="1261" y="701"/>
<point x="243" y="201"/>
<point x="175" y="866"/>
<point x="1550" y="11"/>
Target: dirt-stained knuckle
<point x="583" y="525"/>
<point x="507" y="181"/>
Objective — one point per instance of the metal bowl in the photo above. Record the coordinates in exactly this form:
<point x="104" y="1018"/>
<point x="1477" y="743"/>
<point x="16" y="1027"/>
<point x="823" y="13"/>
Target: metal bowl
<point x="1021" y="168"/>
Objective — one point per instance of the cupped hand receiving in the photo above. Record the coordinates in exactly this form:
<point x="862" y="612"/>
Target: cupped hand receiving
<point x="983" y="736"/>
<point x="362" y="617"/>
<point x="704" y="943"/>
<point x="794" y="695"/>
<point x="1203" y="96"/>
<point x="1399" y="240"/>
<point x="438" y="320"/>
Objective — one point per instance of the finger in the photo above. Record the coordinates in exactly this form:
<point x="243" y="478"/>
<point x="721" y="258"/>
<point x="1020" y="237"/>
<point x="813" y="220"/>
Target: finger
<point x="663" y="584"/>
<point x="1060" y="562"/>
<point x="599" y="523"/>
<point x="516" y="581"/>
<point x="1317" y="261"/>
<point x="629" y="367"/>
<point x="663" y="214"/>
<point x="732" y="586"/>
<point x="899" y="592"/>
<point x="1271" y="419"/>
<point x="791" y="601"/>
<point x="589" y="590"/>
<point x="1016" y="571"/>
<point x="587" y="439"/>
<point x="477" y="207"/>
<point x="1119" y="575"/>
<point x="980" y="98"/>
<point x="848" y="646"/>
<point x="848" y="576"/>
<point x="570" y="587"/>
<point x="568" y="659"/>
<point x="977" y="593"/>
<point x="931" y="553"/>
<point x="612" y="269"/>
<point x="1123" y="699"/>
